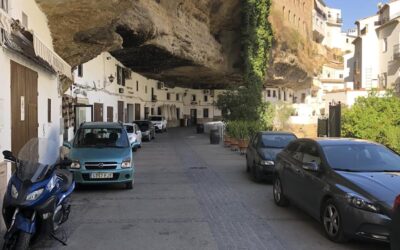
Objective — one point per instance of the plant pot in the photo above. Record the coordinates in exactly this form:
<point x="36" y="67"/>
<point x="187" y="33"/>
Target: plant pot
<point x="243" y="144"/>
<point x="234" y="144"/>
<point x="227" y="141"/>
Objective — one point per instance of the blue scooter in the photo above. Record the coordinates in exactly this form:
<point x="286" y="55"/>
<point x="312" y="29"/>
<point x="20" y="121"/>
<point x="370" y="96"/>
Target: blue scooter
<point x="36" y="202"/>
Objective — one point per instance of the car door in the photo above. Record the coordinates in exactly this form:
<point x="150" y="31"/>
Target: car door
<point x="310" y="183"/>
<point x="291" y="160"/>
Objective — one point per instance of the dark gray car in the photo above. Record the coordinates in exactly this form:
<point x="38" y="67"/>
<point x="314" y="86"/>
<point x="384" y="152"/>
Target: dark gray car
<point x="348" y="185"/>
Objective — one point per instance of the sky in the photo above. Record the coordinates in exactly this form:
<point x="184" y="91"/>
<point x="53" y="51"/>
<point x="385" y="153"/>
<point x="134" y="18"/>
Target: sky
<point x="353" y="10"/>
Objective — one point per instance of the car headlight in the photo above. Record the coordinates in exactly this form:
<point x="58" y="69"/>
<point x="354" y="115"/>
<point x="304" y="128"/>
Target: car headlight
<point x="34" y="195"/>
<point x="14" y="192"/>
<point x="52" y="183"/>
<point x="267" y="163"/>
<point x="361" y="203"/>
<point x="126" y="163"/>
<point x="75" y="165"/>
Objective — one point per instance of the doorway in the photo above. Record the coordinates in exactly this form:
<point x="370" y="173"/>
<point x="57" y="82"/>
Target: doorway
<point x="193" y="117"/>
<point x="130" y="113"/>
<point x="24" y="106"/>
<point x="83" y="113"/>
<point x="120" y="111"/>
<point x="110" y="114"/>
<point x="137" y="112"/>
<point x="98" y="112"/>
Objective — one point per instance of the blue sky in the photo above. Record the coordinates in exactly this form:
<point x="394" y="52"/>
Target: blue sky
<point x="353" y="10"/>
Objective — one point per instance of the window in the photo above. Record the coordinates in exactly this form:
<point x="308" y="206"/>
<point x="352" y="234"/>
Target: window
<point x="284" y="96"/>
<point x="24" y="20"/>
<point x="145" y="89"/>
<point x="279" y="94"/>
<point x="178" y="113"/>
<point x="120" y="76"/>
<point x="177" y="97"/>
<point x="293" y="150"/>
<point x="159" y="110"/>
<point x="269" y="93"/>
<point x="80" y="70"/>
<point x="283" y="11"/>
<point x="193" y="98"/>
<point x="303" y="98"/>
<point x="168" y="96"/>
<point x="105" y="137"/>
<point x="310" y="153"/>
<point x="205" y="113"/>
<point x="137" y="85"/>
<point x="4" y="5"/>
<point x="49" y="110"/>
<point x="385" y="80"/>
<point x="274" y="94"/>
<point x="340" y="75"/>
<point x="289" y="16"/>
<point x="384" y="45"/>
<point x="206" y="98"/>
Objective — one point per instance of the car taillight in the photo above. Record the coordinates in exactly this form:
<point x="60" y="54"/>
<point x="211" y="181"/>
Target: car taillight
<point x="397" y="202"/>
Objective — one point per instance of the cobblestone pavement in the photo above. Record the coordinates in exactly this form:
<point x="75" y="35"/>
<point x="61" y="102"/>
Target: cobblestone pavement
<point x="189" y="194"/>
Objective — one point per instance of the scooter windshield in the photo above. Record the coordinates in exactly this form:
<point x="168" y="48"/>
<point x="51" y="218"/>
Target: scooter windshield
<point x="35" y="158"/>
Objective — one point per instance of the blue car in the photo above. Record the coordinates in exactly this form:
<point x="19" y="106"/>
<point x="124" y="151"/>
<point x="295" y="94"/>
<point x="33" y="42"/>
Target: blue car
<point x="101" y="154"/>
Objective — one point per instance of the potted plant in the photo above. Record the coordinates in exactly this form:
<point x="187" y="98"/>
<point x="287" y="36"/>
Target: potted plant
<point x="227" y="138"/>
<point x="234" y="135"/>
<point x="243" y="133"/>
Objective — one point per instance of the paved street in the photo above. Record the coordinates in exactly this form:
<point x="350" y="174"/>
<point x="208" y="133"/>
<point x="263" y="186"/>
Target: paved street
<point x="190" y="195"/>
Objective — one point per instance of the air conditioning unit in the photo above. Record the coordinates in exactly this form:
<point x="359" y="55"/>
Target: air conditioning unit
<point x="121" y="90"/>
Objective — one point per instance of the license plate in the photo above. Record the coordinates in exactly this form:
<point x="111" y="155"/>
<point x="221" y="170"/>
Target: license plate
<point x="101" y="175"/>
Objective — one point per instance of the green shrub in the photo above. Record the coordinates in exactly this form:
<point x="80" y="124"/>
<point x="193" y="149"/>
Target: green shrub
<point x="374" y="118"/>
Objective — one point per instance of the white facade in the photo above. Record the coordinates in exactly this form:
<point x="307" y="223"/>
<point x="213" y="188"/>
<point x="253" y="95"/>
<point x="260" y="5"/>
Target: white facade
<point x="94" y="86"/>
<point x="49" y="125"/>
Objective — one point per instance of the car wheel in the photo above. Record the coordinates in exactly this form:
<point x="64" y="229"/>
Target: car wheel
<point x="135" y="149"/>
<point x="255" y="173"/>
<point x="332" y="222"/>
<point x="129" y="185"/>
<point x="279" y="197"/>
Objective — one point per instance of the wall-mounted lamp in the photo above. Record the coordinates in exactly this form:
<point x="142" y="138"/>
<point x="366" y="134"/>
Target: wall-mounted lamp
<point x="111" y="78"/>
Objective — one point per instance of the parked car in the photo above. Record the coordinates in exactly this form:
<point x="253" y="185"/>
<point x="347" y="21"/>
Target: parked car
<point x="159" y="122"/>
<point x="134" y="135"/>
<point x="262" y="151"/>
<point x="148" y="129"/>
<point x="101" y="154"/>
<point x="395" y="234"/>
<point x="348" y="185"/>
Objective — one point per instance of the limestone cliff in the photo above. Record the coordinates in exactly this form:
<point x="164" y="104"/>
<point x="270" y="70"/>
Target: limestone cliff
<point x="186" y="42"/>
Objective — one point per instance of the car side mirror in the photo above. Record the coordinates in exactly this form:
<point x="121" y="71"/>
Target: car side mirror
<point x="311" y="166"/>
<point x="9" y="156"/>
<point x="67" y="144"/>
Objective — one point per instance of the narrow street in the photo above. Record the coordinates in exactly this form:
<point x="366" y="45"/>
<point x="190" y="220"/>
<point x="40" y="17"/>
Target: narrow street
<point x="189" y="194"/>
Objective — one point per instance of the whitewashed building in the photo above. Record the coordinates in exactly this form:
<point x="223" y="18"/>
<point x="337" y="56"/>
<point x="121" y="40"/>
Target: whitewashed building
<point x="31" y="75"/>
<point x="105" y="90"/>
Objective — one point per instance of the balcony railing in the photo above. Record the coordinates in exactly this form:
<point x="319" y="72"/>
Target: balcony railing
<point x="396" y="51"/>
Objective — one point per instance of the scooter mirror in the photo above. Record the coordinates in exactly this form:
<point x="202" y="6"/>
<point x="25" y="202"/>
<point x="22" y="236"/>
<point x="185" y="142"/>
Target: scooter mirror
<point x="9" y="156"/>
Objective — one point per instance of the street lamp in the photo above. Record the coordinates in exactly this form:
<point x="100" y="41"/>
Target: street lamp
<point x="111" y="78"/>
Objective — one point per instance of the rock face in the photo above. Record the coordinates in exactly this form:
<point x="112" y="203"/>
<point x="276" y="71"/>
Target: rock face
<point x="192" y="43"/>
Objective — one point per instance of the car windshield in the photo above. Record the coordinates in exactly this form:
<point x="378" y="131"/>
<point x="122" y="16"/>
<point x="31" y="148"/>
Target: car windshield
<point x="276" y="141"/>
<point x="144" y="126"/>
<point x="129" y="129"/>
<point x="101" y="137"/>
<point x="155" y="118"/>
<point x="362" y="158"/>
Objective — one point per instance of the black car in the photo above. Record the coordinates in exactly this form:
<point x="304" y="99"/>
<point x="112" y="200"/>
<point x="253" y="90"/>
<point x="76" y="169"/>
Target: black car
<point x="395" y="236"/>
<point x="348" y="185"/>
<point x="148" y="130"/>
<point x="262" y="150"/>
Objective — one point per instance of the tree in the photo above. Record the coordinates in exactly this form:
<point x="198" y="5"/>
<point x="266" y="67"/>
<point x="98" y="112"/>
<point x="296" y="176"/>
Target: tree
<point x="374" y="118"/>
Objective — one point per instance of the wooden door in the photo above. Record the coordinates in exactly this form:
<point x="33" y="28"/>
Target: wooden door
<point x="137" y="112"/>
<point x="110" y="114"/>
<point x="193" y="116"/>
<point x="98" y="112"/>
<point x="120" y="111"/>
<point x="24" y="106"/>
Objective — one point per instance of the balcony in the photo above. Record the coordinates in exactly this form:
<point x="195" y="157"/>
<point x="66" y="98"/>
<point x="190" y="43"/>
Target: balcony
<point x="396" y="52"/>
